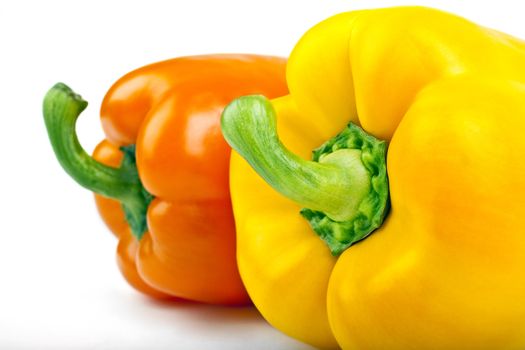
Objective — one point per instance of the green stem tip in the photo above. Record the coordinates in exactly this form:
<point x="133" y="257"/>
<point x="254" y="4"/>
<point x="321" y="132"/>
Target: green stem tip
<point x="62" y="108"/>
<point x="344" y="189"/>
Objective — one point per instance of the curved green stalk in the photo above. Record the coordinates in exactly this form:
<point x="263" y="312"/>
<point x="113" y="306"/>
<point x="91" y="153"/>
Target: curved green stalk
<point x="61" y="110"/>
<point x="345" y="187"/>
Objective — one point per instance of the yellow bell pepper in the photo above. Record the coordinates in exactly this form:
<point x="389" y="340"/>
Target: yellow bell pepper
<point x="446" y="267"/>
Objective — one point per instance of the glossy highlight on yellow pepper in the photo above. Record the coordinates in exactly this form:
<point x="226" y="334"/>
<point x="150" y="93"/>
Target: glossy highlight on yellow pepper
<point x="446" y="269"/>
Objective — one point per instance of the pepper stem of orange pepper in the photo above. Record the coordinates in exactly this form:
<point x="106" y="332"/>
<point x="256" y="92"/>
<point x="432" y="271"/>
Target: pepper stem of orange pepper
<point x="61" y="110"/>
<point x="344" y="189"/>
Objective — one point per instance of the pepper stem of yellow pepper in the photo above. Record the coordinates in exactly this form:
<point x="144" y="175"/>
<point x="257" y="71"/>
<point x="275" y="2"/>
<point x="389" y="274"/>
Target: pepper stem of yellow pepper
<point x="344" y="189"/>
<point x="61" y="110"/>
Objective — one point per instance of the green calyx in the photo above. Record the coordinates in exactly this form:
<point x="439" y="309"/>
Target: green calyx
<point x="62" y="108"/>
<point x="344" y="189"/>
<point x="373" y="205"/>
<point x="135" y="210"/>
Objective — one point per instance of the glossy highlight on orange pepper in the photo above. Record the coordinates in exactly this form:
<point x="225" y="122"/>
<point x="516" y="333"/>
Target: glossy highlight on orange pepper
<point x="169" y="112"/>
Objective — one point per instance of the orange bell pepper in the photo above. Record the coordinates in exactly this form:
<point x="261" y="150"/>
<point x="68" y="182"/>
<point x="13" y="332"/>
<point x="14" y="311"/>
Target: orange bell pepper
<point x="161" y="174"/>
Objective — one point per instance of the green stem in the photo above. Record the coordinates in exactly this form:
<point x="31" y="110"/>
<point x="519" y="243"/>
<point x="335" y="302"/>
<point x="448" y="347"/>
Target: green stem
<point x="345" y="187"/>
<point x="62" y="108"/>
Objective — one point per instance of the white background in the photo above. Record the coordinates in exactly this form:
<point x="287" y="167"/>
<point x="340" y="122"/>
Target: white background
<point x="59" y="284"/>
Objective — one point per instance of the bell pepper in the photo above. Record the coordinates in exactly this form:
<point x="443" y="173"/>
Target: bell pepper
<point x="406" y="229"/>
<point x="161" y="174"/>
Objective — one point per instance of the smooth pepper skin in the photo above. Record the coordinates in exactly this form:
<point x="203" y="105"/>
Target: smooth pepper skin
<point x="171" y="112"/>
<point x="446" y="270"/>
